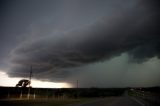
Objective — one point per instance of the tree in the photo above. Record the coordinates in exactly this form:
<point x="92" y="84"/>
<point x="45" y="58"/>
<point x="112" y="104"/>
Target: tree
<point x="23" y="83"/>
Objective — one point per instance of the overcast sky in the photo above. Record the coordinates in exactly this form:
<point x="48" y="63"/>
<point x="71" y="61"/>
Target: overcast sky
<point x="101" y="43"/>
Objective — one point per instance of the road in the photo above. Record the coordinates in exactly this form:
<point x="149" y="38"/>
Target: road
<point x="114" y="101"/>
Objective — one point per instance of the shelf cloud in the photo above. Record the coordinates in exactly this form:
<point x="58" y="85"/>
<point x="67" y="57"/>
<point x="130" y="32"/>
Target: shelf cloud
<point x="134" y="31"/>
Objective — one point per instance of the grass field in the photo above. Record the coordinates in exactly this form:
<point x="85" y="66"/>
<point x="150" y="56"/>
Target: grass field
<point x="43" y="102"/>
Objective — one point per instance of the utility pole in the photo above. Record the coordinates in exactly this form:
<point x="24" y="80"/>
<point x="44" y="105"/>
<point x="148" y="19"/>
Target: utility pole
<point x="77" y="83"/>
<point x="30" y="76"/>
<point x="77" y="90"/>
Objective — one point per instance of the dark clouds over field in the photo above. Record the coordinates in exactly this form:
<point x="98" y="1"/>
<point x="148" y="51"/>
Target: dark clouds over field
<point x="86" y="40"/>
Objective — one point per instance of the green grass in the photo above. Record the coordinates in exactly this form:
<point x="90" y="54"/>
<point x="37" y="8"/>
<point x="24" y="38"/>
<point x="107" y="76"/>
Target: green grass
<point x="43" y="102"/>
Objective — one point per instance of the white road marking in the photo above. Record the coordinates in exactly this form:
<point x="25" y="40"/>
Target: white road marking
<point x="142" y="104"/>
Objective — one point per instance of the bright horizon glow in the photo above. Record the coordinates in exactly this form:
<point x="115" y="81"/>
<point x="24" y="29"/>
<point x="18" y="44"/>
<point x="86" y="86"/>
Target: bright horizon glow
<point x="5" y="80"/>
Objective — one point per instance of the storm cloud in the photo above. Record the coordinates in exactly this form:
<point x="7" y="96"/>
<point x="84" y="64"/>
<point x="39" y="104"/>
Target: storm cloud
<point x="134" y="31"/>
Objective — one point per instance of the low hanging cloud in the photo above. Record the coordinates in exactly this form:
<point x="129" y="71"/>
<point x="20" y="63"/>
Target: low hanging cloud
<point x="134" y="31"/>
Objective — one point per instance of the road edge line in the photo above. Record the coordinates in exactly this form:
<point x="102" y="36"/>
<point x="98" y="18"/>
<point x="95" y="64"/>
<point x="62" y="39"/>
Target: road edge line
<point x="142" y="104"/>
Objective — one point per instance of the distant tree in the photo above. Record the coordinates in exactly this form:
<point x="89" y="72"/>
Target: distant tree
<point x="23" y="83"/>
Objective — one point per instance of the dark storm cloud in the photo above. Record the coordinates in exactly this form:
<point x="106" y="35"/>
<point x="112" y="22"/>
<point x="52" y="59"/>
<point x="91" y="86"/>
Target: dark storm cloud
<point x="134" y="31"/>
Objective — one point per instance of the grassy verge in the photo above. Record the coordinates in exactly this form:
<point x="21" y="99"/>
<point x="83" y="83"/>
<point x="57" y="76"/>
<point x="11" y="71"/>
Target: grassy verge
<point x="42" y="102"/>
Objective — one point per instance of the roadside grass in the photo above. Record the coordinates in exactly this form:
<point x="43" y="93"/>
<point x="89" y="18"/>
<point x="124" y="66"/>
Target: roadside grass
<point x="131" y="93"/>
<point x="44" y="102"/>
